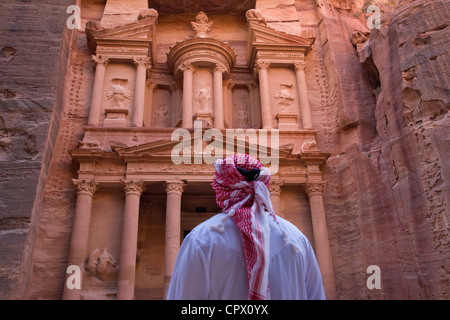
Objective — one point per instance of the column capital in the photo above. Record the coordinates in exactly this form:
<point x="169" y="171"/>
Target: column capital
<point x="300" y="65"/>
<point x="186" y="66"/>
<point x="174" y="187"/>
<point x="230" y="84"/>
<point x="133" y="186"/>
<point x="150" y="84"/>
<point x="275" y="187"/>
<point x="85" y="186"/>
<point x="261" y="65"/>
<point x="142" y="60"/>
<point x="251" y="85"/>
<point x="220" y="68"/>
<point x="315" y="187"/>
<point x="100" y="59"/>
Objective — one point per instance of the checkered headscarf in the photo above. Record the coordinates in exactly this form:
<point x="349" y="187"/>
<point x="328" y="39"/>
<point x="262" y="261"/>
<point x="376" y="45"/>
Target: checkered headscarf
<point x="240" y="183"/>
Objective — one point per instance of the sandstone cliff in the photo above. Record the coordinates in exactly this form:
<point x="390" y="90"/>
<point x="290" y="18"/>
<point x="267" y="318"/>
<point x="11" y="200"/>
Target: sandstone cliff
<point x="388" y="201"/>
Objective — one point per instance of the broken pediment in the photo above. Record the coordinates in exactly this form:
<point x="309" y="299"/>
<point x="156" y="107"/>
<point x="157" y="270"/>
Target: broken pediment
<point x="136" y="38"/>
<point x="264" y="41"/>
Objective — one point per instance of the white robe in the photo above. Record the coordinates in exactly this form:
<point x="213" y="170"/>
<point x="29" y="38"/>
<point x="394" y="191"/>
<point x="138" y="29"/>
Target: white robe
<point x="210" y="265"/>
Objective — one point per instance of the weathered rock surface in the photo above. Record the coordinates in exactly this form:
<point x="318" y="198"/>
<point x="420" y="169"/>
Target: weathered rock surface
<point x="33" y="60"/>
<point x="388" y="198"/>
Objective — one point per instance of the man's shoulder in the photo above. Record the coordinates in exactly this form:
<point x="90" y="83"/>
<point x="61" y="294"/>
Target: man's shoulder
<point x="219" y="229"/>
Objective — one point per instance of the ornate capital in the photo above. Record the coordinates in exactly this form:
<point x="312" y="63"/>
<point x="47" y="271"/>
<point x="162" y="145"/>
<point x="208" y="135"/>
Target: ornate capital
<point x="301" y="65"/>
<point x="186" y="66"/>
<point x="175" y="187"/>
<point x="275" y="187"/>
<point x="142" y="60"/>
<point x="261" y="65"/>
<point x="86" y="186"/>
<point x="251" y="85"/>
<point x="312" y="188"/>
<point x="100" y="59"/>
<point x="133" y="186"/>
<point x="220" y="68"/>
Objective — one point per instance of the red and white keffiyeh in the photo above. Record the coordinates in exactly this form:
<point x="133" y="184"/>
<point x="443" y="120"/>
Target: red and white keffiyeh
<point x="248" y="204"/>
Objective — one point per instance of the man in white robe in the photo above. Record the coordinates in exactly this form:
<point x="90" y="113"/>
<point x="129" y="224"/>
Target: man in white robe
<point x="254" y="255"/>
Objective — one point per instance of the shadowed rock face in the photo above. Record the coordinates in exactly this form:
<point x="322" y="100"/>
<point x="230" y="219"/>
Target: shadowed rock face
<point x="194" y="6"/>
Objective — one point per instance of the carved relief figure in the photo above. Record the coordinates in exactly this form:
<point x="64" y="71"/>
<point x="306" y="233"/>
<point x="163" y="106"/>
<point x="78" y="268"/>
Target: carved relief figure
<point x="284" y="97"/>
<point x="201" y="25"/>
<point x="118" y="95"/>
<point x="160" y="115"/>
<point x="242" y="115"/>
<point x="203" y="98"/>
<point x="101" y="265"/>
<point x="254" y="14"/>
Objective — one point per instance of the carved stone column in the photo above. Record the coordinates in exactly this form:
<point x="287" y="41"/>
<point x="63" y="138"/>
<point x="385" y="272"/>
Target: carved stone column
<point x="322" y="245"/>
<point x="218" y="97"/>
<point x="263" y="72"/>
<point x="127" y="264"/>
<point x="97" y="91"/>
<point x="305" y="109"/>
<point x="142" y="64"/>
<point x="188" y="71"/>
<point x="275" y="193"/>
<point x="148" y="112"/>
<point x="80" y="231"/>
<point x="173" y="224"/>
<point x="229" y="103"/>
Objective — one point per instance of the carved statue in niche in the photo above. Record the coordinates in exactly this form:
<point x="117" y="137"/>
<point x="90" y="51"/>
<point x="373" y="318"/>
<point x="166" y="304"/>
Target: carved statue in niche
<point x="118" y="94"/>
<point x="101" y="265"/>
<point x="242" y="115"/>
<point x="160" y="115"/>
<point x="284" y="97"/>
<point x="203" y="99"/>
<point x="201" y="25"/>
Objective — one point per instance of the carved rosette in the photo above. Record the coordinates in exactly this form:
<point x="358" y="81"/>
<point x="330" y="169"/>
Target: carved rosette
<point x="175" y="187"/>
<point x="85" y="186"/>
<point x="133" y="186"/>
<point x="315" y="188"/>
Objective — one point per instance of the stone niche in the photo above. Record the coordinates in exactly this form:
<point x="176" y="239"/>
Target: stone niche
<point x="284" y="98"/>
<point x="118" y="95"/>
